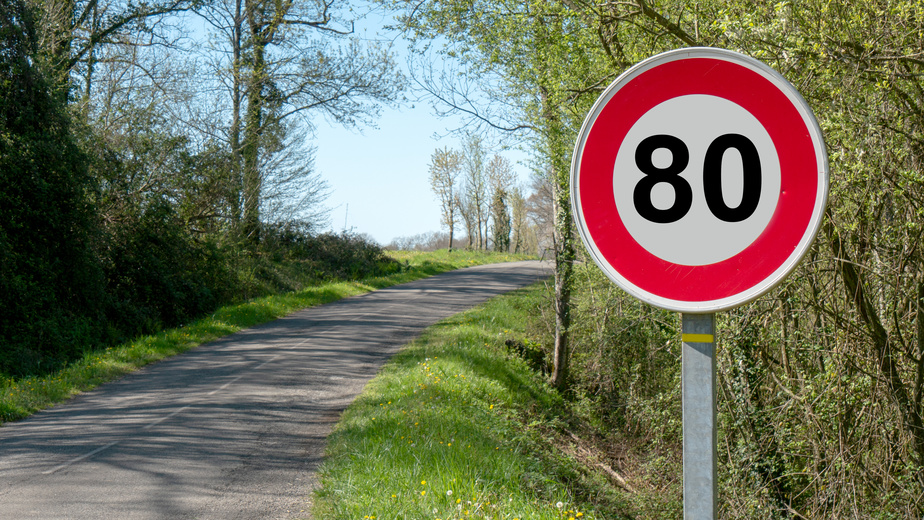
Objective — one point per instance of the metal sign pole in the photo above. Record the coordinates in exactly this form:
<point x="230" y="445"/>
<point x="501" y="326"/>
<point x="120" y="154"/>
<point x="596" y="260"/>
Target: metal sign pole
<point x="699" y="425"/>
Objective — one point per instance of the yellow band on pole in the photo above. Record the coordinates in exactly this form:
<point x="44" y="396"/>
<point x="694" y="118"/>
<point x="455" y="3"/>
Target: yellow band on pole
<point x="698" y="338"/>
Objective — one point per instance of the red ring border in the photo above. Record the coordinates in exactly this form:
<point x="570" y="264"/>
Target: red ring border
<point x="795" y="147"/>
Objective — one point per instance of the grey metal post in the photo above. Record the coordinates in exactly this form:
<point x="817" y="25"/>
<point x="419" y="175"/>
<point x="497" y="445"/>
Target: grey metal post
<point x="699" y="428"/>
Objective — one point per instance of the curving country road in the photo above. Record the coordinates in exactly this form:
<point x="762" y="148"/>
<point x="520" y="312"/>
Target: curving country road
<point x="234" y="429"/>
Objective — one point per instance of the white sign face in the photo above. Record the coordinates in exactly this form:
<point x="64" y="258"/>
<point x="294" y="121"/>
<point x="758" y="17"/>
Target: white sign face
<point x="692" y="121"/>
<point x="699" y="180"/>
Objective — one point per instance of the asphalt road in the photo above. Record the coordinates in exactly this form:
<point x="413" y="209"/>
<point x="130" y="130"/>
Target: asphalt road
<point x="234" y="429"/>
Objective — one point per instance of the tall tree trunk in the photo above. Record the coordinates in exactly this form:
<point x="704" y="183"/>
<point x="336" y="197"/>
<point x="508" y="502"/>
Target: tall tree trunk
<point x="479" y="217"/>
<point x="57" y="35"/>
<point x="91" y="60"/>
<point x="451" y="227"/>
<point x="563" y="244"/>
<point x="250" y="224"/>
<point x="253" y="127"/>
<point x="236" y="181"/>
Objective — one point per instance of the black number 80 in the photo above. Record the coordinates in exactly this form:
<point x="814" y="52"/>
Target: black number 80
<point x="712" y="178"/>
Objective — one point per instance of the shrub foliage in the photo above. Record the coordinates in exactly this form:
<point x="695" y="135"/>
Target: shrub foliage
<point x="50" y="282"/>
<point x="105" y="237"/>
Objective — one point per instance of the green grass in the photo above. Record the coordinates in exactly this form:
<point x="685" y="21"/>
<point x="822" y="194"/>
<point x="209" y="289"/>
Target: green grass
<point x="458" y="257"/>
<point x="20" y="398"/>
<point x="454" y="427"/>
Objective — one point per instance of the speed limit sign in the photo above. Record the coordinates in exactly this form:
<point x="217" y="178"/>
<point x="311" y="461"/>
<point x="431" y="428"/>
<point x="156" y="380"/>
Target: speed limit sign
<point x="699" y="180"/>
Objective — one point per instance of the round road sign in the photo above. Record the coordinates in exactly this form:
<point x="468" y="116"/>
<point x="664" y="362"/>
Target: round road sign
<point x="699" y="179"/>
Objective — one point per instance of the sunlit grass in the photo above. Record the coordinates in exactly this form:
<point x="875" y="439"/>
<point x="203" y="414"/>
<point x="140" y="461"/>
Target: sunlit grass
<point x="452" y="429"/>
<point x="457" y="257"/>
<point x="22" y="397"/>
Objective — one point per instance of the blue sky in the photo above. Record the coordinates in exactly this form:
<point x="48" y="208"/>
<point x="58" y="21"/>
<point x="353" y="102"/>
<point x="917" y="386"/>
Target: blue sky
<point x="379" y="176"/>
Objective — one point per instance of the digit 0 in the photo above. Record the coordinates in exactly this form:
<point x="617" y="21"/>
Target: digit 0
<point x="712" y="178"/>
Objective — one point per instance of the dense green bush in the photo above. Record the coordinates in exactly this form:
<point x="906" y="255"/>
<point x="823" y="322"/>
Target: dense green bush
<point x="625" y="377"/>
<point x="326" y="255"/>
<point x="625" y="357"/>
<point x="50" y="284"/>
<point x="159" y="275"/>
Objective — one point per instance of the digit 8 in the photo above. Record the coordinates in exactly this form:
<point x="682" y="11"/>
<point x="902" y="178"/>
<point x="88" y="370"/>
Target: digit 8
<point x="683" y="193"/>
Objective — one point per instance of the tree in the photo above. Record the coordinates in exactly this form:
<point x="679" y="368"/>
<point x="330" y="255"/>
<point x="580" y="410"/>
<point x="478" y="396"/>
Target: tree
<point x="519" y="222"/>
<point x="445" y="167"/>
<point x="541" y="212"/>
<point x="475" y="186"/>
<point x="291" y="59"/>
<point x="500" y="218"/>
<point x="50" y="284"/>
<point x="292" y="190"/>
<point x="70" y="32"/>
<point x="501" y="180"/>
<point x="467" y="213"/>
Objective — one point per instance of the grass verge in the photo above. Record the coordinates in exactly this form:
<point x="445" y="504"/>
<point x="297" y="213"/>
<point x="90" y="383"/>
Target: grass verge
<point x="22" y="397"/>
<point x="457" y="427"/>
